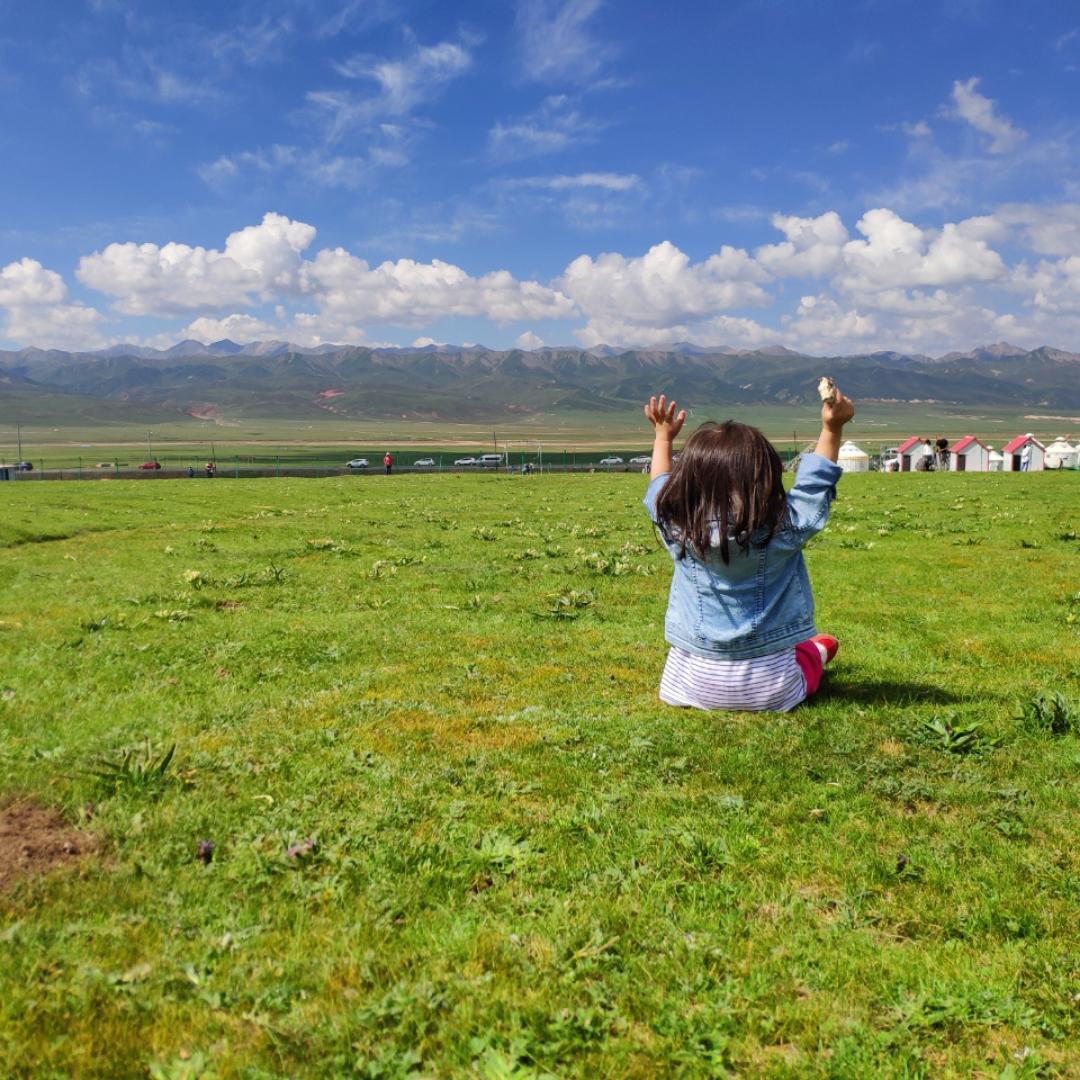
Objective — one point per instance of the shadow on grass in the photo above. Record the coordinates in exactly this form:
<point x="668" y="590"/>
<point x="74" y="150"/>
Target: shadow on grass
<point x="880" y="692"/>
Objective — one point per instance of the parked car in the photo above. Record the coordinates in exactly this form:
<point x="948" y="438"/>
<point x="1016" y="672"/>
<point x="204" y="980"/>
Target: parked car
<point x="150" y="465"/>
<point x="642" y="459"/>
<point x="613" y="460"/>
<point x="490" y="459"/>
<point x="357" y="463"/>
<point x="465" y="461"/>
<point x="23" y="466"/>
<point x="424" y="462"/>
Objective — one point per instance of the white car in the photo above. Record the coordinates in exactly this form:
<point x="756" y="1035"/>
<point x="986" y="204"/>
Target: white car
<point x="611" y="461"/>
<point x="465" y="461"/>
<point x="424" y="462"/>
<point x="357" y="463"/>
<point x="644" y="459"/>
<point x="490" y="459"/>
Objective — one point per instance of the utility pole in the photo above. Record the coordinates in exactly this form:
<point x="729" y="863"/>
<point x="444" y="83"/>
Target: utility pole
<point x="149" y="445"/>
<point x="18" y="436"/>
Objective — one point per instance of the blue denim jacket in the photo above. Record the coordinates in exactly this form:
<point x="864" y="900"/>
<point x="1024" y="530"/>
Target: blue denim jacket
<point x="760" y="602"/>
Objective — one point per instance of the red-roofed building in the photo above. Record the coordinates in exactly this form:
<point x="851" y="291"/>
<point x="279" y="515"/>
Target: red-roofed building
<point x="911" y="450"/>
<point x="969" y="455"/>
<point x="1021" y="448"/>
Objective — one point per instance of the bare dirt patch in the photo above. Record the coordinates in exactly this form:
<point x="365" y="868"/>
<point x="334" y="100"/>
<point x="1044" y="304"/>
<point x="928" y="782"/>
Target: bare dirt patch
<point x="35" y="839"/>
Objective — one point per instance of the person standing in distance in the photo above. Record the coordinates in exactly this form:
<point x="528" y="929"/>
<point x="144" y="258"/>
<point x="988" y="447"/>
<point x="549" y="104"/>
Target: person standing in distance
<point x="388" y="462"/>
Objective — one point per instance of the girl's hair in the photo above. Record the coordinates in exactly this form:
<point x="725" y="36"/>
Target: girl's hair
<point x="728" y="482"/>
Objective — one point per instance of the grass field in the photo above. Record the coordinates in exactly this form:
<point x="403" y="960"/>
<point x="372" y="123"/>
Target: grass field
<point x="334" y="440"/>
<point x="455" y="834"/>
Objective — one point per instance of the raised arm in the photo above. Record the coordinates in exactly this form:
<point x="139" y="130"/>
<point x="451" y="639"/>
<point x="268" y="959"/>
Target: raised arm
<point x="667" y="423"/>
<point x="833" y="419"/>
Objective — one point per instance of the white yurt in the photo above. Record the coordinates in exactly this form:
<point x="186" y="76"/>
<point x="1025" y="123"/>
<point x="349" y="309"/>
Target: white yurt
<point x="1060" y="455"/>
<point x="852" y="459"/>
<point x="997" y="462"/>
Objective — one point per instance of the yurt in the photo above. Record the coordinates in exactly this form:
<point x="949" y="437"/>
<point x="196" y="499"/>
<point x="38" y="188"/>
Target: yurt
<point x="1060" y="455"/>
<point x="852" y="459"/>
<point x="997" y="461"/>
<point x="910" y="451"/>
<point x="969" y="455"/>
<point x="1013" y="452"/>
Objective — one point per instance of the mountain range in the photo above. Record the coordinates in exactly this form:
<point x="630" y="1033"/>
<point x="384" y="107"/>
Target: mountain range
<point x="278" y="379"/>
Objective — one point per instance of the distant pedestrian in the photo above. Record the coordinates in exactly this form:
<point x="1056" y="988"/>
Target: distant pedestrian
<point x="190" y="471"/>
<point x="388" y="462"/>
<point x="1025" y="458"/>
<point x="211" y="468"/>
<point x="943" y="454"/>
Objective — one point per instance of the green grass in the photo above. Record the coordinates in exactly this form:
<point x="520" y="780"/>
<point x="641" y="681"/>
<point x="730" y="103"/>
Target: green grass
<point x="60" y="440"/>
<point x="507" y="859"/>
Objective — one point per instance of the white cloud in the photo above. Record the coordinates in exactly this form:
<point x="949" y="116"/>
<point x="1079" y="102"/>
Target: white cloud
<point x="406" y="292"/>
<point x="554" y="126"/>
<point x="979" y="111"/>
<point x="660" y="291"/>
<point x="404" y="85"/>
<point x="146" y="279"/>
<point x="608" y="181"/>
<point x="557" y="42"/>
<point x="898" y="254"/>
<point x="1052" y="229"/>
<point x="528" y="340"/>
<point x="38" y="313"/>
<point x="252" y="44"/>
<point x="236" y="327"/>
<point x="920" y="129"/>
<point x="814" y="246"/>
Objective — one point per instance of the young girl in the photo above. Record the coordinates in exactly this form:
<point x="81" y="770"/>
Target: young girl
<point x="740" y="617"/>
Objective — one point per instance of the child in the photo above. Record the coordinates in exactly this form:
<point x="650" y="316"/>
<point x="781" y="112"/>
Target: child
<point x="740" y="618"/>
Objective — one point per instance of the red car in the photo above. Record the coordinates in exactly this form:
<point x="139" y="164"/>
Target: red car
<point x="150" y="465"/>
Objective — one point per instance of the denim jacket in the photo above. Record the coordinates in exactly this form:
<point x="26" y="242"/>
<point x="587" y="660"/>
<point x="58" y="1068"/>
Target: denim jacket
<point x="760" y="602"/>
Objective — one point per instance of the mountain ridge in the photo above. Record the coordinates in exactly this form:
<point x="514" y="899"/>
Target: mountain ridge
<point x="451" y="382"/>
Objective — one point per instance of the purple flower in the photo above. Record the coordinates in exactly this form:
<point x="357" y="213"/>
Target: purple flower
<point x="206" y="851"/>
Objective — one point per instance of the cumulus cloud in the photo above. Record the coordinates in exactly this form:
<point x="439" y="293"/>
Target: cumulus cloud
<point x="814" y="246"/>
<point x="1046" y="229"/>
<point x="898" y="254"/>
<point x="147" y="279"/>
<point x="38" y="312"/>
<point x="981" y="113"/>
<point x="529" y="340"/>
<point x="406" y="292"/>
<point x="659" y="291"/>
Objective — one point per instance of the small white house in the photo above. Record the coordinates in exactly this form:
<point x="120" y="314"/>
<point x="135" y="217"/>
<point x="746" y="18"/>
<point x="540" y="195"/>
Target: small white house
<point x="852" y="459"/>
<point x="1024" y="446"/>
<point x="1060" y="455"/>
<point x="911" y="451"/>
<point x="997" y="461"/>
<point x="969" y="455"/>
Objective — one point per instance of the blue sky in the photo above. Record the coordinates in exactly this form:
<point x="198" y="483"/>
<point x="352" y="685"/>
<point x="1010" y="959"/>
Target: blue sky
<point x="831" y="176"/>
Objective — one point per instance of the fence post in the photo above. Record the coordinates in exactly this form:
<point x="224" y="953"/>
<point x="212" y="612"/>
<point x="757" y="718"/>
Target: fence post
<point x="80" y="466"/>
<point x="277" y="465"/>
<point x="236" y="467"/>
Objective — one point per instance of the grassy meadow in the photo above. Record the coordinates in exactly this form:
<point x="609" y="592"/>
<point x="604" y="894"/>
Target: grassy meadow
<point x="454" y="832"/>
<point x="56" y="440"/>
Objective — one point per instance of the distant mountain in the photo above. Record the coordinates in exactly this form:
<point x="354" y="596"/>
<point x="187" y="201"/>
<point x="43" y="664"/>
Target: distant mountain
<point x="278" y="379"/>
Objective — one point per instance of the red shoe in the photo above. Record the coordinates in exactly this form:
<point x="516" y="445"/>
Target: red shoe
<point x="828" y="643"/>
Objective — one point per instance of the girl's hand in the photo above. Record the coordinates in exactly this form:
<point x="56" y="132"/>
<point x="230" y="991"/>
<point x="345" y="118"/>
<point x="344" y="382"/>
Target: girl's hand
<point x="836" y="415"/>
<point x="661" y="414"/>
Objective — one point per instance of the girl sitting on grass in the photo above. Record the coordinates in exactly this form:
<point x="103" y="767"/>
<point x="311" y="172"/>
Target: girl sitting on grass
<point x="740" y="617"/>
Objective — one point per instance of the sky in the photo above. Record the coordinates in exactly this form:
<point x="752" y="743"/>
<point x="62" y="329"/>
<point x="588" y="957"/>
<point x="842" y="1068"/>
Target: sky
<point x="835" y="177"/>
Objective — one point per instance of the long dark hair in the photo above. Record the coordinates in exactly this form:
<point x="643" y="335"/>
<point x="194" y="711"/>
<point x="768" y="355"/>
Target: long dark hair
<point x="727" y="483"/>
